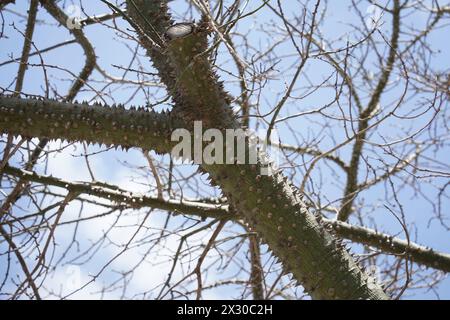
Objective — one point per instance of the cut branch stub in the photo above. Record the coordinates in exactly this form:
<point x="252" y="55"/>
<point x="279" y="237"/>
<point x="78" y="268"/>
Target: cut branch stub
<point x="179" y="30"/>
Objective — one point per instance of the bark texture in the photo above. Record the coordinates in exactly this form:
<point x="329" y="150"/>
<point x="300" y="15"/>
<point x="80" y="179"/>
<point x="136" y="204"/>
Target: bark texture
<point x="269" y="203"/>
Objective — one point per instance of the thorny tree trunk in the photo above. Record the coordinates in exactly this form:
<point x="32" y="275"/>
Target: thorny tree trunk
<point x="270" y="204"/>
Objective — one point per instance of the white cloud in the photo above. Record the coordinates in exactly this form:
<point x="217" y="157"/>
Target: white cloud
<point x="66" y="280"/>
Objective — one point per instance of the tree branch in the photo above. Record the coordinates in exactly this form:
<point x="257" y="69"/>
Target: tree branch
<point x="366" y="236"/>
<point x="113" y="126"/>
<point x="351" y="189"/>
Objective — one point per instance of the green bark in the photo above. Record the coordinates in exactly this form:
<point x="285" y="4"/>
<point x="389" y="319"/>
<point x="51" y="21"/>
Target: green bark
<point x="271" y="205"/>
<point x="112" y="126"/>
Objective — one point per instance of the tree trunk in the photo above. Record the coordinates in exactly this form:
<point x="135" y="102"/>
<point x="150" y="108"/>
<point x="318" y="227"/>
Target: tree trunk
<point x="270" y="204"/>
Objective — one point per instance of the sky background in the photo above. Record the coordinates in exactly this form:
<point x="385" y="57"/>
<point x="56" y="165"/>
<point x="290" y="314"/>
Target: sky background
<point x="114" y="166"/>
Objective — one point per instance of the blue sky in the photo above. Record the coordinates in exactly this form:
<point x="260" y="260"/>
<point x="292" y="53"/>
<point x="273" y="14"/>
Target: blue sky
<point x="111" y="49"/>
